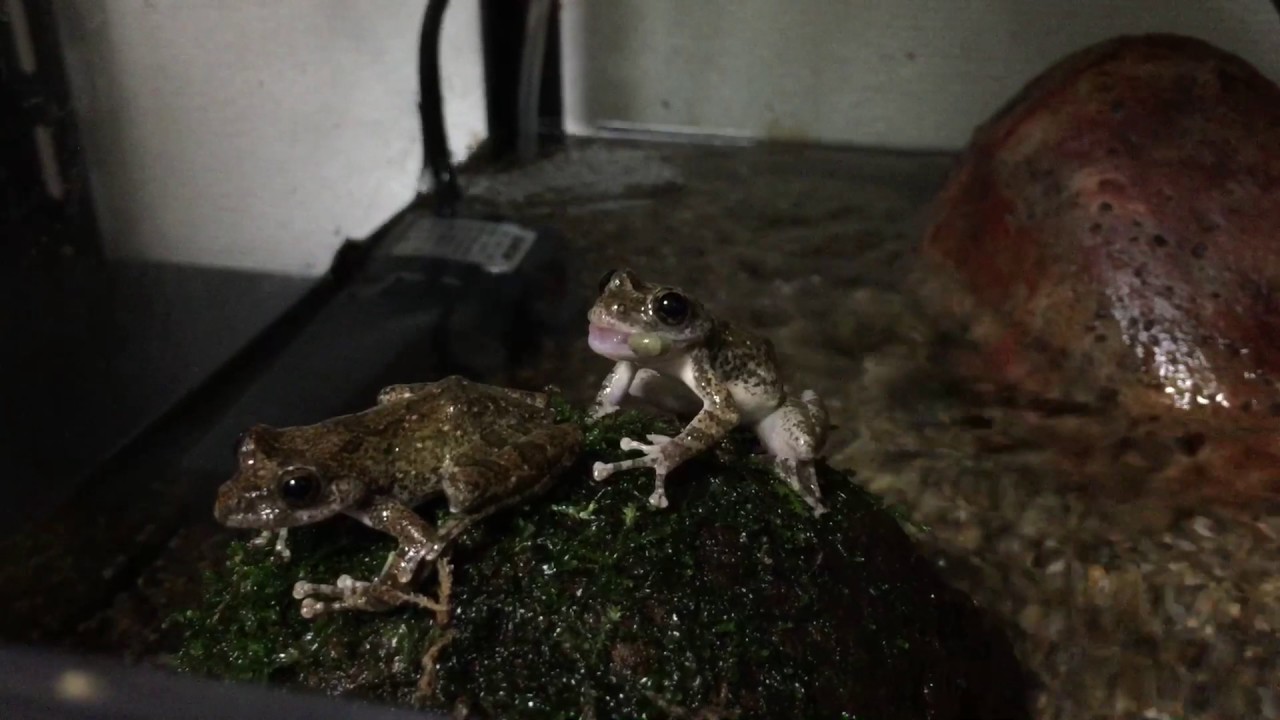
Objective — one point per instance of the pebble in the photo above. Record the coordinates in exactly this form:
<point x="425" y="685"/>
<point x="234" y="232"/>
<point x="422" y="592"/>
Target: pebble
<point x="1203" y="526"/>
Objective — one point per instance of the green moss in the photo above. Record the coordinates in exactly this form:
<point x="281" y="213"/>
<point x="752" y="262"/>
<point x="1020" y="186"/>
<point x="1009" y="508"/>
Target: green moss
<point x="248" y="626"/>
<point x="733" y="597"/>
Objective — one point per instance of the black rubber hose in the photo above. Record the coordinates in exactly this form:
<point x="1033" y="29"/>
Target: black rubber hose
<point x="435" y="143"/>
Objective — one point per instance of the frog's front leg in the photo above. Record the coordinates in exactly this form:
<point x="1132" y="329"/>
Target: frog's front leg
<point x="613" y="389"/>
<point x="719" y="415"/>
<point x="418" y="540"/>
<point x="281" y="548"/>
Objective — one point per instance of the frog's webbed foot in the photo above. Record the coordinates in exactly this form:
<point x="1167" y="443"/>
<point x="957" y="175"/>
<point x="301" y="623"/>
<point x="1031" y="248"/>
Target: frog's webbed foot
<point x="378" y="595"/>
<point x="346" y="593"/>
<point x="281" y="548"/>
<point x="802" y="477"/>
<point x="655" y="456"/>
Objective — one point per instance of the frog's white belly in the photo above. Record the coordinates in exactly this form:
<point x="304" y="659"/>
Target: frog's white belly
<point x="753" y="405"/>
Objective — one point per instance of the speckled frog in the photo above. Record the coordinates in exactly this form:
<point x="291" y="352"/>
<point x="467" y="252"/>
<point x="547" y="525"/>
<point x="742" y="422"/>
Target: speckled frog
<point x="482" y="447"/>
<point x="665" y="344"/>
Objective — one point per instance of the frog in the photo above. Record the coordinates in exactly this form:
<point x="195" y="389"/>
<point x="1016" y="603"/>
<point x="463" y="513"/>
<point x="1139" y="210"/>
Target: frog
<point x="671" y="352"/>
<point x="481" y="447"/>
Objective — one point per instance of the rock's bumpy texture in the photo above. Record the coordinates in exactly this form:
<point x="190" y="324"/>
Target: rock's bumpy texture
<point x="1116" y="233"/>
<point x="734" y="602"/>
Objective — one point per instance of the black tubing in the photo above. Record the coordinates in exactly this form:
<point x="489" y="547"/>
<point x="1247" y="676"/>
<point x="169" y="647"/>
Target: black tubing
<point x="435" y="143"/>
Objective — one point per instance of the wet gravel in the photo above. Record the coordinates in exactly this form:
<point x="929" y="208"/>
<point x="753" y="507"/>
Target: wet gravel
<point x="1126" y="607"/>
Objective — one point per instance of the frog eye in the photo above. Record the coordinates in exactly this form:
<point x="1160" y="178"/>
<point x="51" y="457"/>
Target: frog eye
<point x="671" y="307"/>
<point x="606" y="278"/>
<point x="300" y="488"/>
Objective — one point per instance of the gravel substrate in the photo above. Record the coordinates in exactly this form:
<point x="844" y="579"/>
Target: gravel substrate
<point x="1122" y="609"/>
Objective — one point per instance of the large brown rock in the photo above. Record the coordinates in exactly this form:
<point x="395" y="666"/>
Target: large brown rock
<point x="1115" y="235"/>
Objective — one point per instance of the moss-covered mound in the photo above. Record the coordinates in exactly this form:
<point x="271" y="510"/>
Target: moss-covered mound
<point x="733" y="602"/>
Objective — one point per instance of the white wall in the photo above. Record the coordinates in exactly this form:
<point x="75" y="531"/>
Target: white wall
<point x="262" y="133"/>
<point x="912" y="74"/>
<point x="259" y="133"/>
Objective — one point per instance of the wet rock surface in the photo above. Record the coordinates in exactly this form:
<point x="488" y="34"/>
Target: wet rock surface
<point x="1113" y="230"/>
<point x="734" y="602"/>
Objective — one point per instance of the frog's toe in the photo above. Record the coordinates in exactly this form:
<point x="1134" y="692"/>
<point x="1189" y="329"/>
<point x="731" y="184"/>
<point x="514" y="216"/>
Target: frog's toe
<point x="658" y="499"/>
<point x="651" y="448"/>
<point x="311" y="608"/>
<point x="344" y="585"/>
<point x="600" y="471"/>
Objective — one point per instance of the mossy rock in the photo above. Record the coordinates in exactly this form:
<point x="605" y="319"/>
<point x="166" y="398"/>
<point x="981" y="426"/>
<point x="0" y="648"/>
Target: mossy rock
<point x="733" y="602"/>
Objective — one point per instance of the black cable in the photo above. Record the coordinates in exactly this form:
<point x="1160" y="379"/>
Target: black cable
<point x="435" y="143"/>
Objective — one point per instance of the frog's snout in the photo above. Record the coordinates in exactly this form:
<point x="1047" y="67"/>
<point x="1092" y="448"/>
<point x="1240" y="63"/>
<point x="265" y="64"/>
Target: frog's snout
<point x="227" y="507"/>
<point x="222" y="505"/>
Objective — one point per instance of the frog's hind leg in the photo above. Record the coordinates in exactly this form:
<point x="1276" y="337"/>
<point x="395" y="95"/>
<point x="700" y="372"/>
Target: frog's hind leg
<point x="819" y="420"/>
<point x="481" y="485"/>
<point x="802" y="477"/>
<point x="793" y="438"/>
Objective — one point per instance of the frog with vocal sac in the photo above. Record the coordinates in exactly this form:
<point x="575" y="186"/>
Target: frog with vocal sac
<point x="665" y="344"/>
<point x="483" y="448"/>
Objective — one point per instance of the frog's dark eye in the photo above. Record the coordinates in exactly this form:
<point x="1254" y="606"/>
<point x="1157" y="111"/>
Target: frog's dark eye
<point x="671" y="307"/>
<point x="300" y="488"/>
<point x="604" y="279"/>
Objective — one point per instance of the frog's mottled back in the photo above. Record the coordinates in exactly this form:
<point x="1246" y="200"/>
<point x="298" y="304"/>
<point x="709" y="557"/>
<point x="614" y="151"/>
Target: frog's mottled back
<point x="400" y="449"/>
